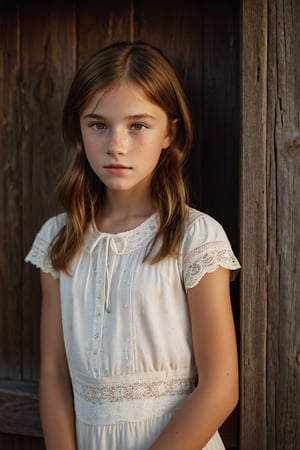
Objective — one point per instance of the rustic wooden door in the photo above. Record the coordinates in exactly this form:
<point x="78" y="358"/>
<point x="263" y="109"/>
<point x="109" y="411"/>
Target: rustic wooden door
<point x="42" y="43"/>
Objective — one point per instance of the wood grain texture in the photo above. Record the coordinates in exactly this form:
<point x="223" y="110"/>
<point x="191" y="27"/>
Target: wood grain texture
<point x="19" y="408"/>
<point x="48" y="61"/>
<point x="10" y="192"/>
<point x="283" y="192"/>
<point x="253" y="222"/>
<point x="100" y="24"/>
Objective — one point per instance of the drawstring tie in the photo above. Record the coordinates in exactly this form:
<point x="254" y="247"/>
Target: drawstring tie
<point x="117" y="244"/>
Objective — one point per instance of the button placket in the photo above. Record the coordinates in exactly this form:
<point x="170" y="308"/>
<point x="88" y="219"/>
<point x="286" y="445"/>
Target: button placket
<point x="112" y="247"/>
<point x="98" y="314"/>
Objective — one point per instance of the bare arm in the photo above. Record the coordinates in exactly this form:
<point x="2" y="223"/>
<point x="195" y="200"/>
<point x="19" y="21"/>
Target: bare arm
<point x="216" y="395"/>
<point x="56" y="402"/>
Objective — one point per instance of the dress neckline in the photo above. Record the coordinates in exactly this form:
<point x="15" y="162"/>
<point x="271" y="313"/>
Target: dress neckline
<point x="136" y="237"/>
<point x="95" y="229"/>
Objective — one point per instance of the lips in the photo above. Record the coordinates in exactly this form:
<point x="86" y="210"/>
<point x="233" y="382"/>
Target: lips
<point x="116" y="166"/>
<point x="117" y="169"/>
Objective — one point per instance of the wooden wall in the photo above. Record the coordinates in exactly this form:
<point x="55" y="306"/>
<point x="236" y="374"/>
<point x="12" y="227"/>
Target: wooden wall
<point x="270" y="225"/>
<point x="42" y="43"/>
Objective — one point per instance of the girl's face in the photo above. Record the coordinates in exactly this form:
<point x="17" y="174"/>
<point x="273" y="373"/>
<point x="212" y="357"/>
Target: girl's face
<point x="123" y="135"/>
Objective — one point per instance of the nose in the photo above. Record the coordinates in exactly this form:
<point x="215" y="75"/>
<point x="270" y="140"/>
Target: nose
<point x="116" y="143"/>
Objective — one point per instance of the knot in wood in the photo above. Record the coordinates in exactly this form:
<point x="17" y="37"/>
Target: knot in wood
<point x="294" y="147"/>
<point x="296" y="143"/>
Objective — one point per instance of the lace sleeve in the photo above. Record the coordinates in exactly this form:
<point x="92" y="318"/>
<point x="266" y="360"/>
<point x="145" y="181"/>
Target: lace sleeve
<point x="39" y="252"/>
<point x="207" y="258"/>
<point x="39" y="257"/>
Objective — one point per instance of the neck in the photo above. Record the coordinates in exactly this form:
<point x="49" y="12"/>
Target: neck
<point x="125" y="205"/>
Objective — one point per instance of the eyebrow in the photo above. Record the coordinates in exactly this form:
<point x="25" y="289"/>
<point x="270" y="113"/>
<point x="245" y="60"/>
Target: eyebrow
<point x="131" y="117"/>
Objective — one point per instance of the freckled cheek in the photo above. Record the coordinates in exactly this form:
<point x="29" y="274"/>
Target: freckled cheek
<point x="91" y="146"/>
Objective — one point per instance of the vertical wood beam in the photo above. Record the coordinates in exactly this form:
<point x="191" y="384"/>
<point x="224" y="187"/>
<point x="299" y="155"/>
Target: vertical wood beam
<point x="10" y="193"/>
<point x="283" y="187"/>
<point x="48" y="62"/>
<point x="253" y="216"/>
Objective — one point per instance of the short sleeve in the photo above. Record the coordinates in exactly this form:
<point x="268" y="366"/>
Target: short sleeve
<point x="205" y="247"/>
<point x="39" y="252"/>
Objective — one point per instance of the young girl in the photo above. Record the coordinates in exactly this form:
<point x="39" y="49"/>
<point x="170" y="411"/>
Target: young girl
<point x="138" y="347"/>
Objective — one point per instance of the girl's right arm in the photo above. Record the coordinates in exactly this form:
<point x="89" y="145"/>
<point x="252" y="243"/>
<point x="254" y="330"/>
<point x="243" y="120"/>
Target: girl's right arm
<point x="56" y="400"/>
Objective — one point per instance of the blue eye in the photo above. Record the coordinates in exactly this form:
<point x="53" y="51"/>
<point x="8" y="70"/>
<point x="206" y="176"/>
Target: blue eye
<point x="138" y="126"/>
<point x="98" y="126"/>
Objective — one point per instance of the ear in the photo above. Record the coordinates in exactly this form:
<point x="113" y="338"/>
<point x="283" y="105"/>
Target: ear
<point x="171" y="133"/>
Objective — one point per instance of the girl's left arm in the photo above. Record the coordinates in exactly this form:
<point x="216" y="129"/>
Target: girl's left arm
<point x="215" y="349"/>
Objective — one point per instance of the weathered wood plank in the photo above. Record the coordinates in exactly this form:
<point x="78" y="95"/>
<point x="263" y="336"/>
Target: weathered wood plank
<point x="10" y="189"/>
<point x="19" y="408"/>
<point x="100" y="24"/>
<point x="48" y="61"/>
<point x="283" y="189"/>
<point x="253" y="432"/>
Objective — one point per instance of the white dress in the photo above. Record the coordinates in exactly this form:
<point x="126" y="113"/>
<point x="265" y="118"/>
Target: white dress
<point x="127" y="330"/>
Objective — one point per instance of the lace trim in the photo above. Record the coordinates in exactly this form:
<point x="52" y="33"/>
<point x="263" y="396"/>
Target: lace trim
<point x="118" y="392"/>
<point x="134" y="238"/>
<point x="38" y="255"/>
<point x="128" y="399"/>
<point x="206" y="259"/>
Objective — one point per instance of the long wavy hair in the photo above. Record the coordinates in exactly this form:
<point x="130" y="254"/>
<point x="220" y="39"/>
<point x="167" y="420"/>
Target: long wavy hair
<point x="81" y="192"/>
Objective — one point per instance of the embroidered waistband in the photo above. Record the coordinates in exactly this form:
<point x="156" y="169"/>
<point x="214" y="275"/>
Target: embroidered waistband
<point x="110" y="400"/>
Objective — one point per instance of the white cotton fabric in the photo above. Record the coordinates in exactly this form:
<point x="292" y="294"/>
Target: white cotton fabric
<point x="127" y="329"/>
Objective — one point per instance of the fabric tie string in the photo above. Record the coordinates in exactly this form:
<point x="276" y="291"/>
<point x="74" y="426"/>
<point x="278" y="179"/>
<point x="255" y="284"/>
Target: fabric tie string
<point x="117" y="244"/>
